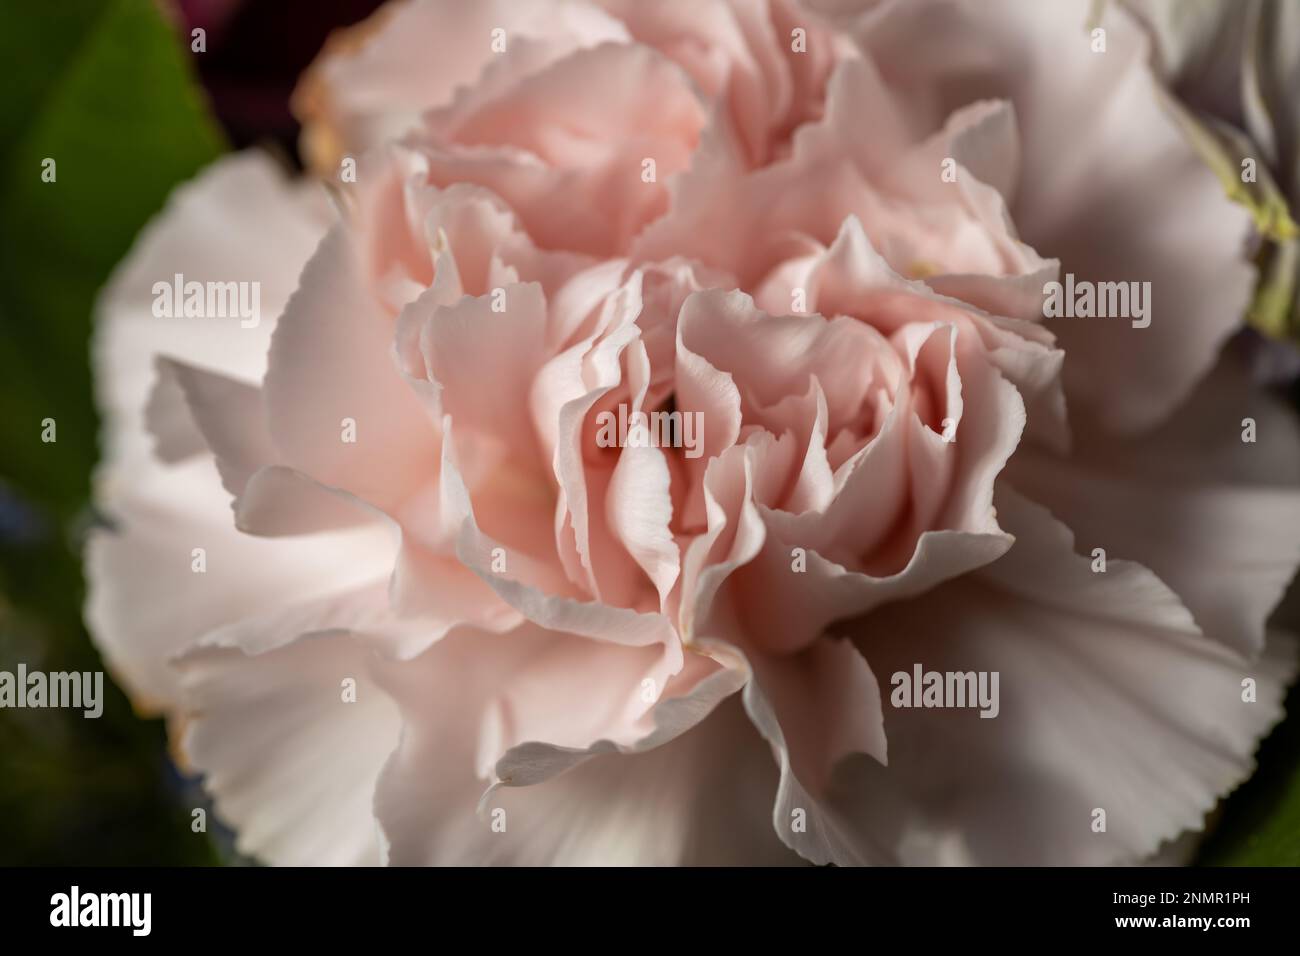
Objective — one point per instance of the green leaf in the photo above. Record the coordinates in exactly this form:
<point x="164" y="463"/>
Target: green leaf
<point x="102" y="88"/>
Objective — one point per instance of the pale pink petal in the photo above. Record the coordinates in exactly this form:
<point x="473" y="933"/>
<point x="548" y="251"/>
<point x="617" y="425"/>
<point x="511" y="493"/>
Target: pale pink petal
<point x="522" y="746"/>
<point x="333" y="377"/>
<point x="146" y="599"/>
<point x="278" y="501"/>
<point x="1213" y="516"/>
<point x="682" y="803"/>
<point x="1108" y="184"/>
<point x="1109" y="698"/>
<point x="291" y="762"/>
<point x="485" y="705"/>
<point x="639" y="509"/>
<point x="239" y="221"/>
<point x="788" y="721"/>
<point x="372" y="83"/>
<point x="193" y="410"/>
<point x="577" y="175"/>
<point x="742" y="53"/>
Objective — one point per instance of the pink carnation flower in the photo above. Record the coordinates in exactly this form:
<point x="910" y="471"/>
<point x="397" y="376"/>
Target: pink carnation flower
<point x="665" y="392"/>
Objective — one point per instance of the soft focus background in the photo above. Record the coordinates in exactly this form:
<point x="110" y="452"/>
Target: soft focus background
<point x="112" y="90"/>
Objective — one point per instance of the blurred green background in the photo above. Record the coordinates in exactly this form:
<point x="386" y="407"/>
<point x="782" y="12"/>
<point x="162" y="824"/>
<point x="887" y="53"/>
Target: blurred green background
<point x="111" y="90"/>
